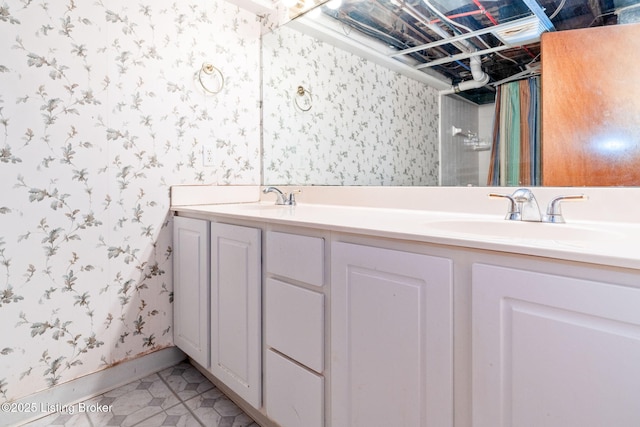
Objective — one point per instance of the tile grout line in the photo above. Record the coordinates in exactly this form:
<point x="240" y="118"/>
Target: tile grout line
<point x="89" y="418"/>
<point x="182" y="401"/>
<point x="163" y="410"/>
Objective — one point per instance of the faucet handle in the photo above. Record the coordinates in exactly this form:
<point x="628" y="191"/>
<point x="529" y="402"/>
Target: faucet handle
<point x="554" y="210"/>
<point x="513" y="213"/>
<point x="291" y="198"/>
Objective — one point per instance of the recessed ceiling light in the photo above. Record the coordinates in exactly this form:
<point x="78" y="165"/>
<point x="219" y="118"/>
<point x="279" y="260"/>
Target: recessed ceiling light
<point x="520" y="32"/>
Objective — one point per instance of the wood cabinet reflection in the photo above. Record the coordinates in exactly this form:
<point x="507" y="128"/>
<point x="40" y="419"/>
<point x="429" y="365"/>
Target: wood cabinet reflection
<point x="591" y="107"/>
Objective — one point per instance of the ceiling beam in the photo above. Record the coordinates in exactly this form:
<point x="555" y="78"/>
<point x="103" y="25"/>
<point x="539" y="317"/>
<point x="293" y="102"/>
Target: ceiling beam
<point x="537" y="10"/>
<point x="461" y="56"/>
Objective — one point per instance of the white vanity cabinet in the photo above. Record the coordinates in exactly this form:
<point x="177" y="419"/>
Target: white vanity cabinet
<point x="191" y="287"/>
<point x="391" y="338"/>
<point x="331" y="324"/>
<point x="294" y="329"/>
<point x="551" y="350"/>
<point x="236" y="301"/>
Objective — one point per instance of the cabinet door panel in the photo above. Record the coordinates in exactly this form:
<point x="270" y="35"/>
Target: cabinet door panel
<point x="236" y="309"/>
<point x="191" y="287"/>
<point x="391" y="338"/>
<point x="553" y="350"/>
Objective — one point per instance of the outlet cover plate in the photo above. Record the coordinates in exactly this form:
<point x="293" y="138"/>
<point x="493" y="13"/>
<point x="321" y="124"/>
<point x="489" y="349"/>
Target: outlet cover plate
<point x="208" y="151"/>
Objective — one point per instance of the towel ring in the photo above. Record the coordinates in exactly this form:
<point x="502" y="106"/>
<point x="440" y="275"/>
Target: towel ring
<point x="302" y="96"/>
<point x="208" y="69"/>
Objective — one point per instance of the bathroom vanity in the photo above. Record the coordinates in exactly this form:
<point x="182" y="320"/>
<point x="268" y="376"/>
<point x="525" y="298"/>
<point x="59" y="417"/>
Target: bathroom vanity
<point x="399" y="307"/>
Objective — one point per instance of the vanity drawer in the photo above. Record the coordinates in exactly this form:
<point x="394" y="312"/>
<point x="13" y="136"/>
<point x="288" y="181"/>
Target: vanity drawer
<point x="295" y="323"/>
<point x="294" y="396"/>
<point x="296" y="257"/>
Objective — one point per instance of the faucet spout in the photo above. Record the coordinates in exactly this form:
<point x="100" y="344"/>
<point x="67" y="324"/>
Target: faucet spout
<point x="523" y="205"/>
<point x="280" y="197"/>
<point x="528" y="205"/>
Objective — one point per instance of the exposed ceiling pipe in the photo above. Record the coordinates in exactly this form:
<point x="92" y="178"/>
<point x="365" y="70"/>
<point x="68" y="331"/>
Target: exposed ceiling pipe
<point x="417" y="33"/>
<point x="485" y="12"/>
<point x="459" y="15"/>
<point x="480" y="78"/>
<point x="433" y="27"/>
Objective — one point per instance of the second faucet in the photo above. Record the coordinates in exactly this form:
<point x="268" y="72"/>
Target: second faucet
<point x="282" y="198"/>
<point x="523" y="206"/>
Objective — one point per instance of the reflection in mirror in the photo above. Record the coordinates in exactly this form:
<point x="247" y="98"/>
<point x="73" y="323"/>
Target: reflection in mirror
<point x="371" y="124"/>
<point x="367" y="125"/>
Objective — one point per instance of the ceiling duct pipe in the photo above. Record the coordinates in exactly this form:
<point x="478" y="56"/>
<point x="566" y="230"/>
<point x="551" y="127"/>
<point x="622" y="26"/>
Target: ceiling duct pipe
<point x="480" y="78"/>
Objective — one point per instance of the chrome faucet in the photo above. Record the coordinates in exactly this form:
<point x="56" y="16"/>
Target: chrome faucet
<point x="523" y="206"/>
<point x="282" y="198"/>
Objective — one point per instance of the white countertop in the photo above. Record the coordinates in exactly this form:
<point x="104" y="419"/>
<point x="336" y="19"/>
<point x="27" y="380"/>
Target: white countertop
<point x="614" y="244"/>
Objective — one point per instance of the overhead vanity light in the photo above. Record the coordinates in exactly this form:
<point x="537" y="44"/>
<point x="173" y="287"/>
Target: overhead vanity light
<point x="333" y="4"/>
<point x="314" y="13"/>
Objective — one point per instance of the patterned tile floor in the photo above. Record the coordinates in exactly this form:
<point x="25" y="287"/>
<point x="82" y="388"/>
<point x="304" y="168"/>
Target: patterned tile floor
<point x="178" y="396"/>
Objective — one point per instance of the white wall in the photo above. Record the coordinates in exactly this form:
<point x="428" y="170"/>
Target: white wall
<point x="100" y="114"/>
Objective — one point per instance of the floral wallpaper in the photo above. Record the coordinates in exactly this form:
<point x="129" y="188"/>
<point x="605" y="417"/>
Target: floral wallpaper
<point x="367" y="125"/>
<point x="100" y="112"/>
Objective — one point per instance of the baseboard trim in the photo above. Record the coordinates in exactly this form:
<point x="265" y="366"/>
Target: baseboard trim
<point x="94" y="384"/>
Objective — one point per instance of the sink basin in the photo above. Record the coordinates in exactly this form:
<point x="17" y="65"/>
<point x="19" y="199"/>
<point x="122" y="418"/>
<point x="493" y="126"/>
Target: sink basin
<point x="503" y="229"/>
<point x="261" y="207"/>
<point x="264" y="209"/>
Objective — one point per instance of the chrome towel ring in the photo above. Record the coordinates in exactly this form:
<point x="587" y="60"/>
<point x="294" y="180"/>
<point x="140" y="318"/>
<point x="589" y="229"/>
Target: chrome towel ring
<point x="302" y="99"/>
<point x="208" y="69"/>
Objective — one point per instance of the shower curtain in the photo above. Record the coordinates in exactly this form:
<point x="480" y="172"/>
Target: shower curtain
<point x="515" y="152"/>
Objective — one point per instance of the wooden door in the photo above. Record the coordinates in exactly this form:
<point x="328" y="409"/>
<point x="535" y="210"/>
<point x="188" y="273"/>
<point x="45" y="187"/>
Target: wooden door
<point x="591" y="106"/>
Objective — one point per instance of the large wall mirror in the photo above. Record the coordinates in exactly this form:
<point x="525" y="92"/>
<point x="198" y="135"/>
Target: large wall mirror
<point x="389" y="92"/>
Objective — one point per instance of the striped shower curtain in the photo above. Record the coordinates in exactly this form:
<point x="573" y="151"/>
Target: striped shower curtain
<point x="515" y="152"/>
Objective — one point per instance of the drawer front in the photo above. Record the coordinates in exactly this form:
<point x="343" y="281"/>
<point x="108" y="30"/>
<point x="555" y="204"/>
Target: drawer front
<point x="296" y="257"/>
<point x="295" y="323"/>
<point x="294" y="396"/>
